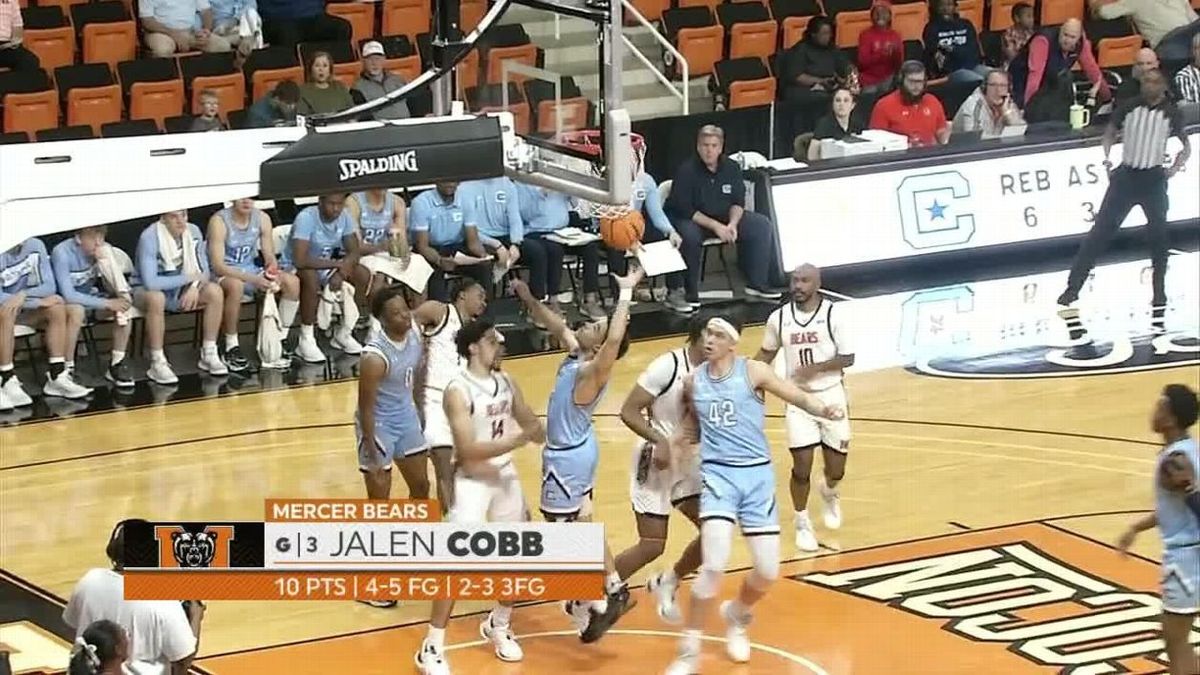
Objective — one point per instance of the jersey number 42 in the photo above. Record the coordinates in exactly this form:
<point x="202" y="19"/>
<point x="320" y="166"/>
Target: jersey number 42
<point x="722" y="413"/>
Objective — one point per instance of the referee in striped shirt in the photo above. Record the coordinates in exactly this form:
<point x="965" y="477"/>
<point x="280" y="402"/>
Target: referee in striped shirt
<point x="1144" y="124"/>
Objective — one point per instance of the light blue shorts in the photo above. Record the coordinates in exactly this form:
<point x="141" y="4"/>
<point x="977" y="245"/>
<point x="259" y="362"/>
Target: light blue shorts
<point x="568" y="476"/>
<point x="740" y="494"/>
<point x="1181" y="580"/>
<point x="392" y="443"/>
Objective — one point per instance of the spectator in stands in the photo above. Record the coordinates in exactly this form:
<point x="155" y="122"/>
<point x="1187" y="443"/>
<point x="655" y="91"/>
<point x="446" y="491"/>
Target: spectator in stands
<point x="1024" y="25"/>
<point x="544" y="211"/>
<point x="1153" y="18"/>
<point x="27" y="297"/>
<point x="708" y="199"/>
<point x="287" y="23"/>
<point x="952" y="45"/>
<point x="238" y="237"/>
<point x="880" y="51"/>
<point x="376" y="82"/>
<point x="89" y="275"/>
<point x="321" y="91"/>
<point x="210" y="113"/>
<point x="227" y="22"/>
<point x="649" y="201"/>
<point x="443" y="225"/>
<point x="172" y="262"/>
<point x="1042" y="71"/>
<point x="1131" y="87"/>
<point x="172" y="26"/>
<point x="14" y="55"/>
<point x="911" y="111"/>
<point x="989" y="108"/>
<point x="1187" y="80"/>
<point x="163" y="634"/>
<point x="276" y="109"/>
<point x="323" y="249"/>
<point x="838" y="124"/>
<point x="100" y="650"/>
<point x="810" y="70"/>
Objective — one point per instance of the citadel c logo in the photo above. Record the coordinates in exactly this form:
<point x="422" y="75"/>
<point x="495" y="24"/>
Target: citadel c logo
<point x="933" y="209"/>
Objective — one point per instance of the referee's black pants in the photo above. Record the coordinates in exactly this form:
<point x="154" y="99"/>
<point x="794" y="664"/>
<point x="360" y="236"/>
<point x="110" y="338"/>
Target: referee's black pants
<point x="1127" y="188"/>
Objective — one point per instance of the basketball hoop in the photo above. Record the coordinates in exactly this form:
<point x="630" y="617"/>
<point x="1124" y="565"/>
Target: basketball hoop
<point x="588" y="141"/>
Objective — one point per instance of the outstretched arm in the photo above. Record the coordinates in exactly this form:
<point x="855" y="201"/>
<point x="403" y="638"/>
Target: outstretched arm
<point x="763" y="377"/>
<point x="543" y="314"/>
<point x="596" y="372"/>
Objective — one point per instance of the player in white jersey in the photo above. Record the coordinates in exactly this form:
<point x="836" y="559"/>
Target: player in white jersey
<point x="440" y="322"/>
<point x="656" y="490"/>
<point x="488" y="419"/>
<point x="816" y="349"/>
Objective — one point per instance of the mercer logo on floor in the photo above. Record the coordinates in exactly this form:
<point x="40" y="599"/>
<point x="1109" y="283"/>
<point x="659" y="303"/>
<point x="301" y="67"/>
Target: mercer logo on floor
<point x="1019" y="594"/>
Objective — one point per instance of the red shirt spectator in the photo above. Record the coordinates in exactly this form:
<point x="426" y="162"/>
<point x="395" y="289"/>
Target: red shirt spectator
<point x="880" y="49"/>
<point x="1042" y="61"/>
<point x="922" y="121"/>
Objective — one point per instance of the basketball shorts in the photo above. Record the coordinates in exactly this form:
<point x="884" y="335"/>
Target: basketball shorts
<point x="391" y="444"/>
<point x="255" y="270"/>
<point x="740" y="494"/>
<point x="805" y="430"/>
<point x="568" y="476"/>
<point x="493" y="499"/>
<point x="655" y="491"/>
<point x="437" y="426"/>
<point x="1181" y="580"/>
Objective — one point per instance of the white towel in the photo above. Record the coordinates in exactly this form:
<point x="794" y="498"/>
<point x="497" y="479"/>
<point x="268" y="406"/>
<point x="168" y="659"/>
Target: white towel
<point x="270" y="335"/>
<point x="169" y="250"/>
<point x="113" y="278"/>
<point x="339" y="303"/>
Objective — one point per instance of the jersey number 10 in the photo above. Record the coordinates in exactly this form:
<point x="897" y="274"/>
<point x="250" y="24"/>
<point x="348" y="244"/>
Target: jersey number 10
<point x="806" y="356"/>
<point x="722" y="413"/>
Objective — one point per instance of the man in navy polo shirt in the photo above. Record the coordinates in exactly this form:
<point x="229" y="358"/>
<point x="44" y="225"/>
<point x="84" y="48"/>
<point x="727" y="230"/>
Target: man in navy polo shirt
<point x="708" y="199"/>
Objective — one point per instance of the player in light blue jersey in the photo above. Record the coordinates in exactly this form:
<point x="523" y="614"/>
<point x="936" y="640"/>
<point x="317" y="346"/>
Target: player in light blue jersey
<point x="725" y="414"/>
<point x="386" y="422"/>
<point x="572" y="450"/>
<point x="1177" y="517"/>
<point x="241" y="249"/>
<point x="381" y="222"/>
<point x="323" y="248"/>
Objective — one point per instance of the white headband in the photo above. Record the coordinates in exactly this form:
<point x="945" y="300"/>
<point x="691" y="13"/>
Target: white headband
<point x="717" y="323"/>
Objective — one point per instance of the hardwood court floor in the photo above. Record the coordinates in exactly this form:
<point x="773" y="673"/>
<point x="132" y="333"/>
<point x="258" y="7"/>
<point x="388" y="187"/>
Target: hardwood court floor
<point x="1017" y="484"/>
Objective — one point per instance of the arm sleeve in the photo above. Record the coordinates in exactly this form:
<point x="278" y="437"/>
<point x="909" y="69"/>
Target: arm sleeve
<point x="770" y="341"/>
<point x="178" y="640"/>
<point x="1039" y="51"/>
<point x="657" y="376"/>
<point x="61" y="262"/>
<point x="654" y="207"/>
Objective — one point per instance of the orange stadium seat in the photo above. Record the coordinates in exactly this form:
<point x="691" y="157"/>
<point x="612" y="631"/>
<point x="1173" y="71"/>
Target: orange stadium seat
<point x="711" y="4"/>
<point x="360" y="16"/>
<point x="468" y="70"/>
<point x="752" y="32"/>
<point x="1055" y="12"/>
<point x="749" y="93"/>
<point x="31" y="113"/>
<point x="64" y="4"/>
<point x="971" y="10"/>
<point x="1000" y="14"/>
<point x="525" y="54"/>
<point x="908" y="20"/>
<point x="470" y="13"/>
<point x="1114" y="52"/>
<point x="793" y="29"/>
<point x="697" y="36"/>
<point x="269" y="66"/>
<point x="574" y="115"/>
<point x="848" y="26"/>
<point x="230" y="89"/>
<point x="55" y="47"/>
<point x="407" y="67"/>
<point x="406" y="17"/>
<point x="109" y="43"/>
<point x="156" y="100"/>
<point x="91" y="95"/>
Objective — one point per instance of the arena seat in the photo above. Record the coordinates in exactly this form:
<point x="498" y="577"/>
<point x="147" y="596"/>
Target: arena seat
<point x="488" y="98"/>
<point x="91" y="94"/>
<point x="406" y="17"/>
<point x="1055" y="12"/>
<point x="651" y="10"/>
<point x="751" y="30"/>
<point x="266" y="67"/>
<point x="793" y="29"/>
<point x="230" y="89"/>
<point x="154" y="88"/>
<point x="835" y="7"/>
<point x="13" y="137"/>
<point x="64" y="5"/>
<point x="971" y="10"/>
<point x="50" y="36"/>
<point x="746" y="82"/>
<point x="711" y="5"/>
<point x="31" y="112"/>
<point x="908" y="19"/>
<point x="848" y="25"/>
<point x="470" y="13"/>
<point x="178" y="124"/>
<point x="573" y="105"/>
<point x="360" y="16"/>
<point x="109" y="32"/>
<point x="697" y="36"/>
<point x="1000" y="14"/>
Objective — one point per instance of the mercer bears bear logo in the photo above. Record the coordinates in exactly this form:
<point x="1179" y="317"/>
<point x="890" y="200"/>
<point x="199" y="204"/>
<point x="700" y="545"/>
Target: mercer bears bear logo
<point x="194" y="546"/>
<point x="194" y="549"/>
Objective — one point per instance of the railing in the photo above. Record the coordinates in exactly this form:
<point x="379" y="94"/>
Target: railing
<point x="666" y="44"/>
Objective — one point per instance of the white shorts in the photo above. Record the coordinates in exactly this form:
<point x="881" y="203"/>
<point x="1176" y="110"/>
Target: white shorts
<point x="437" y="427"/>
<point x="805" y="430"/>
<point x="655" y="491"/>
<point x="496" y="499"/>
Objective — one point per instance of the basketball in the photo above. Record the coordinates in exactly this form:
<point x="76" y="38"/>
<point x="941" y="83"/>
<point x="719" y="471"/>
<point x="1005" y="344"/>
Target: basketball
<point x="623" y="232"/>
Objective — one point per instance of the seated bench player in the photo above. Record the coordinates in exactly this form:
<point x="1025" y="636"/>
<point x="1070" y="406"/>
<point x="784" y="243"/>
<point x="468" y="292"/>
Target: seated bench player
<point x="86" y="270"/>
<point x="172" y="264"/>
<point x="381" y="221"/>
<point x="238" y="238"/>
<point x="443" y="224"/>
<point x="497" y="216"/>
<point x="323" y="249"/>
<point x="27" y="297"/>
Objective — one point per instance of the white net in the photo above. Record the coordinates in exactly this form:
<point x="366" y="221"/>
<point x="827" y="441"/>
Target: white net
<point x="589" y="141"/>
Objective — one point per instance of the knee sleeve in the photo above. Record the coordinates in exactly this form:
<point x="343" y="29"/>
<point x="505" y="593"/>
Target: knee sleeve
<point x="764" y="551"/>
